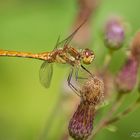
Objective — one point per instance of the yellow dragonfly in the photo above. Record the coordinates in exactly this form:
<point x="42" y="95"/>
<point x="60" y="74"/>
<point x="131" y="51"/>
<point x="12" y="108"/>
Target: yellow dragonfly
<point x="62" y="53"/>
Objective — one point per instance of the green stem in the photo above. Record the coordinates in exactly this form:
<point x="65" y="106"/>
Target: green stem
<point x="114" y="108"/>
<point x="107" y="60"/>
<point x="45" y="131"/>
<point x="125" y="112"/>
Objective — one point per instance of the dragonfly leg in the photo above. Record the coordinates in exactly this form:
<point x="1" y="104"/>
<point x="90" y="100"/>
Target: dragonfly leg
<point x="71" y="85"/>
<point x="77" y="75"/>
<point x="87" y="71"/>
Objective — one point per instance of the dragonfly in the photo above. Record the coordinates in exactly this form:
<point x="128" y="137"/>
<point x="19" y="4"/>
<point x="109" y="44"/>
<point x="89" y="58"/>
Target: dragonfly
<point x="62" y="53"/>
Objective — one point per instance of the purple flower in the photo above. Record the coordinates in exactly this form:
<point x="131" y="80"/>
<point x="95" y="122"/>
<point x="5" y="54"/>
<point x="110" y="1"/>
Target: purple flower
<point x="114" y="33"/>
<point x="81" y="124"/>
<point x="126" y="78"/>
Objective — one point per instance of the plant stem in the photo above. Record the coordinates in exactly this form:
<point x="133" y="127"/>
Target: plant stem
<point x="116" y="105"/>
<point x="45" y="131"/>
<point x="107" y="60"/>
<point x="118" y="117"/>
<point x="125" y="112"/>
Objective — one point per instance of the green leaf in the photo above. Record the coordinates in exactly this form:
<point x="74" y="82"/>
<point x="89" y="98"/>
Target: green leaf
<point x="111" y="128"/>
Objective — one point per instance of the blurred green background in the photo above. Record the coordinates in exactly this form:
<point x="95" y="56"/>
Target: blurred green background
<point x="33" y="26"/>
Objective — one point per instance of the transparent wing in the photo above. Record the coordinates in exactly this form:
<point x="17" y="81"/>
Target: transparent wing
<point x="67" y="40"/>
<point x="57" y="42"/>
<point x="45" y="74"/>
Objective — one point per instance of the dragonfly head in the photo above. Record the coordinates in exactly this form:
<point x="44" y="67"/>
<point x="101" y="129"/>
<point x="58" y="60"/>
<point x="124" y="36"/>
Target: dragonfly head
<point x="87" y="56"/>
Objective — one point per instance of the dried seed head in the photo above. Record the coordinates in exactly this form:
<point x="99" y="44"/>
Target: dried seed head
<point x="92" y="91"/>
<point x="126" y="78"/>
<point x="114" y="33"/>
<point x="81" y="124"/>
<point x="107" y="78"/>
<point x="135" y="46"/>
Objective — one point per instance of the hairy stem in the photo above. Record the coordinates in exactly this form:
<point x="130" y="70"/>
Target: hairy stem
<point x="125" y="112"/>
<point x="107" y="61"/>
<point x="116" y="105"/>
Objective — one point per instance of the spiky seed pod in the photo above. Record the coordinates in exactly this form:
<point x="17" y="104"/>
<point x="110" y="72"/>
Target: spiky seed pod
<point x="107" y="78"/>
<point x="135" y="46"/>
<point x="114" y="33"/>
<point x="126" y="79"/>
<point x="92" y="90"/>
<point x="81" y="124"/>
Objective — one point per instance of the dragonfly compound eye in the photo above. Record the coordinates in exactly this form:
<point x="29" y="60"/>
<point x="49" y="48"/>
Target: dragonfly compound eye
<point x="88" y="56"/>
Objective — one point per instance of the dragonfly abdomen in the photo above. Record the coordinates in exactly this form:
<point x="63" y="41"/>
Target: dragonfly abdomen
<point x="18" y="54"/>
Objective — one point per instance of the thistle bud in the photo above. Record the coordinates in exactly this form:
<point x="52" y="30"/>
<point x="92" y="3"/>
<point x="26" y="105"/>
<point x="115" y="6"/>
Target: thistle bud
<point x="81" y="124"/>
<point x="114" y="33"/>
<point x="126" y="78"/>
<point x="92" y="91"/>
<point x="135" y="46"/>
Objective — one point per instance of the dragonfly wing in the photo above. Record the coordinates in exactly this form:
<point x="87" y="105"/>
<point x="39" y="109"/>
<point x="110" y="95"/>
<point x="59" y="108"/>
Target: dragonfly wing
<point x="45" y="74"/>
<point x="57" y="43"/>
<point x="67" y="40"/>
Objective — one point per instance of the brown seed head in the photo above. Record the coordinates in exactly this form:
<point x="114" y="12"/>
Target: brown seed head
<point x="81" y="124"/>
<point x="107" y="78"/>
<point x="92" y="91"/>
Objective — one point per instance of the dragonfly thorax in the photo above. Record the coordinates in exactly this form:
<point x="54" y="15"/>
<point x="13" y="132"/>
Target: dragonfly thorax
<point x="87" y="56"/>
